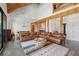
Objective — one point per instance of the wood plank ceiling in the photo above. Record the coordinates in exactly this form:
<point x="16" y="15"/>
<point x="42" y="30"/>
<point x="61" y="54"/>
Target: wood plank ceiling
<point x="13" y="6"/>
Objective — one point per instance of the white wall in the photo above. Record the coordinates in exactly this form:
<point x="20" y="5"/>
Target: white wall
<point x="45" y="10"/>
<point x="21" y="18"/>
<point x="57" y="22"/>
<point x="72" y="28"/>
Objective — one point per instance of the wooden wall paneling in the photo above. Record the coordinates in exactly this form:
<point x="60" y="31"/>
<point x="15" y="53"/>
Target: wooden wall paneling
<point x="48" y="25"/>
<point x="42" y="24"/>
<point x="39" y="25"/>
<point x="61" y="24"/>
<point x="35" y="27"/>
<point x="32" y="28"/>
<point x="45" y="25"/>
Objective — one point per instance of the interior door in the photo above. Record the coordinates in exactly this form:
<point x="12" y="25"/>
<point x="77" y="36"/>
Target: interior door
<point x="64" y="28"/>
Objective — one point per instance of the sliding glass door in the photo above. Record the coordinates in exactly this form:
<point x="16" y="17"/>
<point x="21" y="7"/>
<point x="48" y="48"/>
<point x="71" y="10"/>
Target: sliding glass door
<point x="1" y="42"/>
<point x="3" y="27"/>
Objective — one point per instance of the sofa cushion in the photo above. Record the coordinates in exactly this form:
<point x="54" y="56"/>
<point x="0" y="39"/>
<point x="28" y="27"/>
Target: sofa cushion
<point x="54" y="40"/>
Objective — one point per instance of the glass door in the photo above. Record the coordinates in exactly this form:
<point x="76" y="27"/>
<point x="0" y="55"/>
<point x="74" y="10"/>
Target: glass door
<point x="3" y="28"/>
<point x="1" y="42"/>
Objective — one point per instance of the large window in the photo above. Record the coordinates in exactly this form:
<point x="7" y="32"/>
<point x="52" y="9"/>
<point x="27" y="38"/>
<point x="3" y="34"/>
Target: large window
<point x="1" y="43"/>
<point x="3" y="26"/>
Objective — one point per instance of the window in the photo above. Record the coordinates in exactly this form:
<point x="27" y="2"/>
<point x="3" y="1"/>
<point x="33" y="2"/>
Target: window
<point x="3" y="26"/>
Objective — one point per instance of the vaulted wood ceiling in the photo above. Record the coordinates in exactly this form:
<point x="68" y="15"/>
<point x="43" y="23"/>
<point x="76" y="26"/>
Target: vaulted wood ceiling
<point x="13" y="6"/>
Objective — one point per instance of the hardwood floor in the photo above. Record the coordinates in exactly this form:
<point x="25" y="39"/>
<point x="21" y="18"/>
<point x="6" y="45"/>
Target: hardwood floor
<point x="73" y="45"/>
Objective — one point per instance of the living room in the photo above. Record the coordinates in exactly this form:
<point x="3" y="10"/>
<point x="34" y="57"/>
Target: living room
<point x="50" y="23"/>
